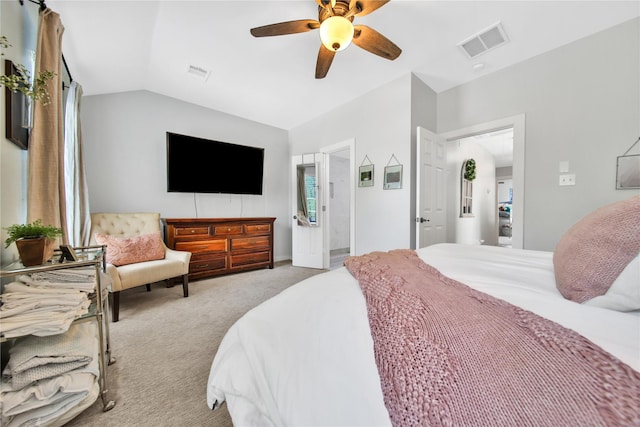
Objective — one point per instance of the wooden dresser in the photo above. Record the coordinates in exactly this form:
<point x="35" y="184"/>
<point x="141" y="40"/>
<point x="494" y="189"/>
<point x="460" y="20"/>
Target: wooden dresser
<point x="222" y="245"/>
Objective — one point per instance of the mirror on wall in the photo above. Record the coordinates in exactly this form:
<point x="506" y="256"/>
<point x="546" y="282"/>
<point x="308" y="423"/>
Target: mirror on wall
<point x="307" y="188"/>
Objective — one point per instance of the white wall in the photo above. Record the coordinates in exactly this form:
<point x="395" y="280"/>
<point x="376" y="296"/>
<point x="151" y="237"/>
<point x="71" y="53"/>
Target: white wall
<point x="125" y="153"/>
<point x="582" y="105"/>
<point x="20" y="25"/>
<point x="482" y="227"/>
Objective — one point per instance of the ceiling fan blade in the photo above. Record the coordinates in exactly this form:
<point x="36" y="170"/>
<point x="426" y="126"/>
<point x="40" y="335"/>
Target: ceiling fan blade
<point x="325" y="58"/>
<point x="372" y="41"/>
<point x="282" y="28"/>
<point x="365" y="7"/>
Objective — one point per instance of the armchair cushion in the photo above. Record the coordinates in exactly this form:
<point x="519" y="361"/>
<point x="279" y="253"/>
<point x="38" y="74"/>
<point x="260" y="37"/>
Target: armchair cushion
<point x="123" y="251"/>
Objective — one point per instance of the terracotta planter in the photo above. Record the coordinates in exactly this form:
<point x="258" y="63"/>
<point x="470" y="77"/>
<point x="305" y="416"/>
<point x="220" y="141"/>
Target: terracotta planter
<point x="35" y="251"/>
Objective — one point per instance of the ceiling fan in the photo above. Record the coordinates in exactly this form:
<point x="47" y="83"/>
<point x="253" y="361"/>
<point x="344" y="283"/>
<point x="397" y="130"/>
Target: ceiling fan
<point x="335" y="21"/>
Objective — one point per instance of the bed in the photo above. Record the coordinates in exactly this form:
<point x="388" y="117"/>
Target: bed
<point x="312" y="355"/>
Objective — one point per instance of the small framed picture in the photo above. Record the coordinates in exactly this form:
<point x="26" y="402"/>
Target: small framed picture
<point x="366" y="176"/>
<point x="68" y="253"/>
<point x="392" y="177"/>
<point x="628" y="172"/>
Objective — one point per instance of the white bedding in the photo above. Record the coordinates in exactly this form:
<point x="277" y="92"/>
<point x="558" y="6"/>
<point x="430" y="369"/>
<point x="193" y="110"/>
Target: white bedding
<point x="305" y="357"/>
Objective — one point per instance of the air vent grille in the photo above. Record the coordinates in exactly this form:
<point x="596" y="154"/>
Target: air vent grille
<point x="485" y="40"/>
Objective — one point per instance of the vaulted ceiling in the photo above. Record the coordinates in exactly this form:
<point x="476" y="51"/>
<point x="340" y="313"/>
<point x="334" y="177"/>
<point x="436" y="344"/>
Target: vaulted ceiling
<point x="116" y="46"/>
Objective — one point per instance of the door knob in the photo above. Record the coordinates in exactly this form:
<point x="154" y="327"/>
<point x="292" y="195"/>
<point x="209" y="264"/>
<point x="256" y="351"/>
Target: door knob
<point x="295" y="217"/>
<point x="421" y="220"/>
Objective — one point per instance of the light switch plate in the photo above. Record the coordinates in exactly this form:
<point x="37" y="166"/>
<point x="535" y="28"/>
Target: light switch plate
<point x="568" y="179"/>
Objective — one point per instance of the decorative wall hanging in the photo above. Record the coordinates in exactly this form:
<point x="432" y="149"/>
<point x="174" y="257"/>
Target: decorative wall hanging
<point x="628" y="170"/>
<point x="366" y="173"/>
<point x="392" y="175"/>
<point x="470" y="170"/>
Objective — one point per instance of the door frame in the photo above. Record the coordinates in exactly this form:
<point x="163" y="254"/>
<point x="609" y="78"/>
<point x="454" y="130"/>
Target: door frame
<point x="517" y="122"/>
<point x="349" y="144"/>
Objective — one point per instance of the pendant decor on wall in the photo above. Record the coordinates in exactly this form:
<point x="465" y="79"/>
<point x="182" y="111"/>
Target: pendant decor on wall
<point x="628" y="170"/>
<point x="365" y="173"/>
<point x="393" y="175"/>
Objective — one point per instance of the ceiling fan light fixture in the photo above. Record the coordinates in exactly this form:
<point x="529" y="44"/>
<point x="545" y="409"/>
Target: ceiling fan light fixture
<point x="336" y="33"/>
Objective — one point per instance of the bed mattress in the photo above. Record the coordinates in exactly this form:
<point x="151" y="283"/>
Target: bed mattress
<point x="305" y="357"/>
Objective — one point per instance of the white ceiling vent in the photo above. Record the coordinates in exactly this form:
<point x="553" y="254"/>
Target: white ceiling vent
<point x="485" y="40"/>
<point x="199" y="72"/>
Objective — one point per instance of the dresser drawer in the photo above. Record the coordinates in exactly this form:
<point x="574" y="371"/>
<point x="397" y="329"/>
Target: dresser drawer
<point x="192" y="231"/>
<point x="257" y="228"/>
<point x="227" y="229"/>
<point x="204" y="263"/>
<point x="249" y="259"/>
<point x="262" y="242"/>
<point x="218" y="245"/>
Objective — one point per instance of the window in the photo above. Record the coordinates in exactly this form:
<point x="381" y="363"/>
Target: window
<point x="467" y="175"/>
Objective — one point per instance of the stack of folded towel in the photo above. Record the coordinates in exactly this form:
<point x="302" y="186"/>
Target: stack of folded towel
<point x="45" y="303"/>
<point x="48" y="376"/>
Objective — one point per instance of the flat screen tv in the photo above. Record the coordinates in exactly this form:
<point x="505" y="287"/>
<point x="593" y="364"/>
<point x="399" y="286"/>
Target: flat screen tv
<point x="197" y="165"/>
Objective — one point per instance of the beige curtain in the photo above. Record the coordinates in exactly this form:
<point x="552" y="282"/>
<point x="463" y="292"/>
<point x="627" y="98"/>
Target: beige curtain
<point x="303" y="210"/>
<point x="45" y="182"/>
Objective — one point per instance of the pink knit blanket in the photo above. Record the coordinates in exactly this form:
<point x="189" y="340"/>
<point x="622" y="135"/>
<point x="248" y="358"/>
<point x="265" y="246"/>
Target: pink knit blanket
<point x="449" y="355"/>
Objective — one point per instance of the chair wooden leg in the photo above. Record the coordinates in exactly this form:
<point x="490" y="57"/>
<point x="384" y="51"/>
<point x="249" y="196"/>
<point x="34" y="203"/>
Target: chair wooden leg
<point x="185" y="285"/>
<point x="115" y="307"/>
<point x="148" y="287"/>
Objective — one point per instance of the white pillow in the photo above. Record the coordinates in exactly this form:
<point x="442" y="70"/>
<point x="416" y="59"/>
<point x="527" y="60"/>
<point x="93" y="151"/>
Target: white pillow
<point x="624" y="293"/>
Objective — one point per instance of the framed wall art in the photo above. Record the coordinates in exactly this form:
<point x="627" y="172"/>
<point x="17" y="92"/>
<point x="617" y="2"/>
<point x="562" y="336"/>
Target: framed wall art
<point x="15" y="109"/>
<point x="628" y="169"/>
<point x="366" y="173"/>
<point x="392" y="175"/>
<point x="628" y="172"/>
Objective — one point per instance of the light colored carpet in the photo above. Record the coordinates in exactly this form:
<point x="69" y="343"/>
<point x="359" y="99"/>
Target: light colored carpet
<point x="164" y="345"/>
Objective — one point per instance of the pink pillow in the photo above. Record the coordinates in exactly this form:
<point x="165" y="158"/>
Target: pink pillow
<point x="121" y="251"/>
<point x="591" y="255"/>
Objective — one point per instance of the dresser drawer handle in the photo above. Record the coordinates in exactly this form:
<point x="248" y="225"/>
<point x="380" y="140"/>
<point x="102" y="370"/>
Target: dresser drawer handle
<point x="193" y="231"/>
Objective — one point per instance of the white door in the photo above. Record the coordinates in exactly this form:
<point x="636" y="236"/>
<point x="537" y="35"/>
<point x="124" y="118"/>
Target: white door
<point x="307" y="208"/>
<point x="431" y="203"/>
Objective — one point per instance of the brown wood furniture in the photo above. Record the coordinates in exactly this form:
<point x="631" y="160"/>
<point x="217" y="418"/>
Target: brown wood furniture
<point x="222" y="245"/>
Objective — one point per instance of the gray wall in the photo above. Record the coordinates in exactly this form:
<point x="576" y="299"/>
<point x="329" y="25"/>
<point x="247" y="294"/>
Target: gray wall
<point x="379" y="121"/>
<point x="582" y="104"/>
<point x="383" y="123"/>
<point x="125" y="152"/>
<point x="20" y="25"/>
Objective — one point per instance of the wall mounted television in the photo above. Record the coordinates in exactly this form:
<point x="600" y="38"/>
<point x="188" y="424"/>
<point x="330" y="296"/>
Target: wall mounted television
<point x="198" y="165"/>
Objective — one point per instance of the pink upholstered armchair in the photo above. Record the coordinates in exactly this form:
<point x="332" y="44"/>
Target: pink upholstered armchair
<point x="124" y="230"/>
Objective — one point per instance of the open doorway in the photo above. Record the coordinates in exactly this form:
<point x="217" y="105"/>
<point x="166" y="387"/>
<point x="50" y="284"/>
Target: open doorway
<point x="499" y="144"/>
<point x="340" y="204"/>
<point x="516" y="125"/>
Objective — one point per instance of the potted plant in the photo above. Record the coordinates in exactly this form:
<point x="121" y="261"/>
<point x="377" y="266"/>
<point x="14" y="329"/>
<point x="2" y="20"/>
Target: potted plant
<point x="34" y="241"/>
<point x="35" y="89"/>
